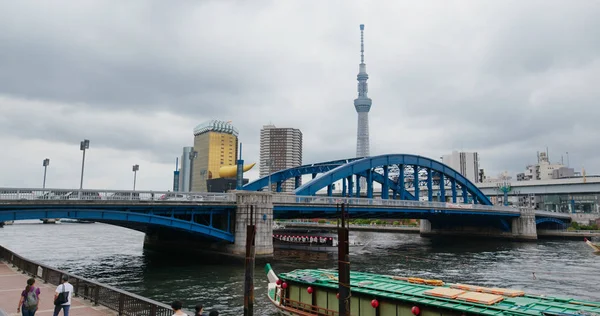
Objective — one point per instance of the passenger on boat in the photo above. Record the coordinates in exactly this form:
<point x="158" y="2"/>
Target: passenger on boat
<point x="176" y="306"/>
<point x="214" y="312"/>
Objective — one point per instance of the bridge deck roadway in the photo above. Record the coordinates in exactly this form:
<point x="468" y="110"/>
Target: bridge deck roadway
<point x="12" y="283"/>
<point x="283" y="204"/>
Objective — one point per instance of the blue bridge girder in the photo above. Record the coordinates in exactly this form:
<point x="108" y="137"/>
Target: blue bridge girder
<point x="131" y="215"/>
<point x="367" y="165"/>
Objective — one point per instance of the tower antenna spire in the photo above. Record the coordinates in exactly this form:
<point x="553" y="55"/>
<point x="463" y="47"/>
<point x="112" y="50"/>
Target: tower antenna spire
<point x="362" y="44"/>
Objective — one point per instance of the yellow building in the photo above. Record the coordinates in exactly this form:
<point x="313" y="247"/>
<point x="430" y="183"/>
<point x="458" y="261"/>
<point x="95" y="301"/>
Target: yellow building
<point x="216" y="143"/>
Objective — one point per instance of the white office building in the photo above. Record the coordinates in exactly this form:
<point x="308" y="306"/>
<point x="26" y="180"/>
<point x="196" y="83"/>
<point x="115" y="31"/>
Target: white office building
<point x="185" y="170"/>
<point x="465" y="163"/>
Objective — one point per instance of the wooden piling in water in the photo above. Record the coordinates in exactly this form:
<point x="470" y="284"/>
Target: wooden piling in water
<point x="343" y="265"/>
<point x="249" y="265"/>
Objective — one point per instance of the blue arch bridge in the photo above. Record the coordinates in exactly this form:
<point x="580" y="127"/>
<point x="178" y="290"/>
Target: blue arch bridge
<point x="218" y="221"/>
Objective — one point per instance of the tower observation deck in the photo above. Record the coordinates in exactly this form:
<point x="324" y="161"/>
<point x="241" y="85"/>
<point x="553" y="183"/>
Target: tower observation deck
<point x="362" y="104"/>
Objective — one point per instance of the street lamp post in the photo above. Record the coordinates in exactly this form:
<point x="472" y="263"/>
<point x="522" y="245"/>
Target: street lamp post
<point x="46" y="163"/>
<point x="135" y="170"/>
<point x="85" y="144"/>
<point x="269" y="162"/>
<point x="193" y="155"/>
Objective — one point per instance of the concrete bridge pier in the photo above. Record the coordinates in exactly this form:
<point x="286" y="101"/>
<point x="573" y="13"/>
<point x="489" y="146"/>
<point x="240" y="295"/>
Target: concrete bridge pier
<point x="261" y="204"/>
<point x="523" y="227"/>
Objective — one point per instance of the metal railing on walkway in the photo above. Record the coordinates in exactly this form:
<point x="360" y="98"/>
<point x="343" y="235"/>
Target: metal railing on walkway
<point x="297" y="199"/>
<point x="36" y="194"/>
<point x="123" y="302"/>
<point x="29" y="194"/>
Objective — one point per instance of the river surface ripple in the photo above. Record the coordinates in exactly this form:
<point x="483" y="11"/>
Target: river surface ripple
<point x="115" y="256"/>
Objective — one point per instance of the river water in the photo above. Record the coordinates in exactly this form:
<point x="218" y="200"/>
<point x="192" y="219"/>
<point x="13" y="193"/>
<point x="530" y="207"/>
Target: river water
<point x="115" y="256"/>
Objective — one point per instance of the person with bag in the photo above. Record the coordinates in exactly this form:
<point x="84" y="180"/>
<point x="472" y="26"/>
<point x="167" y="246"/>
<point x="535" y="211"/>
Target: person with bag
<point x="62" y="296"/>
<point x="30" y="299"/>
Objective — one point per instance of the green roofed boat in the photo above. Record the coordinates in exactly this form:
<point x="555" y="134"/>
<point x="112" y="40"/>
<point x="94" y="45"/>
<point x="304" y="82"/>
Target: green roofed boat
<point x="307" y="292"/>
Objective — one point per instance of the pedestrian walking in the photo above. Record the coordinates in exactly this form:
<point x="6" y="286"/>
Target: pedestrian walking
<point x="62" y="296"/>
<point x="30" y="299"/>
<point x="177" y="306"/>
<point x="199" y="310"/>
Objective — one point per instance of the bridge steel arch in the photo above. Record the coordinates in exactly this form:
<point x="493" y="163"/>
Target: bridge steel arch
<point x="296" y="172"/>
<point x="121" y="218"/>
<point x="314" y="169"/>
<point x="366" y="166"/>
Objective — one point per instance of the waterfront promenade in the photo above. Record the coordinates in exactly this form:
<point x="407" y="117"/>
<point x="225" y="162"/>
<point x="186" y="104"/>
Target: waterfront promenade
<point x="13" y="282"/>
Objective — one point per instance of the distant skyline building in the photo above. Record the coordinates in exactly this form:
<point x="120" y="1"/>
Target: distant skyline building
<point x="362" y="104"/>
<point x="545" y="170"/>
<point x="216" y="143"/>
<point x="185" y="170"/>
<point x="464" y="162"/>
<point x="280" y="148"/>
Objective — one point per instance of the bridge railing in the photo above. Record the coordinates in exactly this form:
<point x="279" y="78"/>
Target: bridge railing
<point x="112" y="195"/>
<point x="295" y="199"/>
<point x="123" y="302"/>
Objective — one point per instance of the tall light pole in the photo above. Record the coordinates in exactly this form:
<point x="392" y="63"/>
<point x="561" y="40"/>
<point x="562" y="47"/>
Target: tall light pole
<point x="85" y="144"/>
<point x="269" y="163"/>
<point x="135" y="170"/>
<point x="193" y="155"/>
<point x="46" y="163"/>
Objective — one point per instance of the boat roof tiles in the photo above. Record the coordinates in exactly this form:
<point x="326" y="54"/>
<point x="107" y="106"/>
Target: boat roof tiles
<point x="386" y="286"/>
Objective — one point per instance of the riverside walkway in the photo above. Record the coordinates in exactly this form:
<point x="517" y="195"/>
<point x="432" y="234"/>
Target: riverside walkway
<point x="90" y="298"/>
<point x="13" y="282"/>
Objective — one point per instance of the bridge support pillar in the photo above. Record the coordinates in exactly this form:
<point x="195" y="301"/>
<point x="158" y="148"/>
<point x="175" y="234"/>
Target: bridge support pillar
<point x="261" y="204"/>
<point x="424" y="227"/>
<point x="524" y="227"/>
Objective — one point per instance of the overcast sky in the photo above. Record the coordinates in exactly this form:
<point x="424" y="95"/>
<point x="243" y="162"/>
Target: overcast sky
<point x="503" y="78"/>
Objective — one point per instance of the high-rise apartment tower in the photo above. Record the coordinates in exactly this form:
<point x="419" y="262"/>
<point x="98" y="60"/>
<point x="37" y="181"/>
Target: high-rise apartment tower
<point x="216" y="143"/>
<point x="280" y="148"/>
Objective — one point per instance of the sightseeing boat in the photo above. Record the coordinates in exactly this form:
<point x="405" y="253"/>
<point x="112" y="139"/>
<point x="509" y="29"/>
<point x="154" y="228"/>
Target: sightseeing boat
<point x="306" y="292"/>
<point x="309" y="239"/>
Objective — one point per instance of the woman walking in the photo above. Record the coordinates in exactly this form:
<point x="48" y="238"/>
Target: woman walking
<point x="30" y="299"/>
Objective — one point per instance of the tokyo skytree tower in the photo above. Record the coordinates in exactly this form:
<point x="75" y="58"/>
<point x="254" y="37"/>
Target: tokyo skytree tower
<point x="362" y="103"/>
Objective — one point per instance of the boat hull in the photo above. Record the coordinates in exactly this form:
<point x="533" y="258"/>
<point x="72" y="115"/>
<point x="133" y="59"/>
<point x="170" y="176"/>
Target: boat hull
<point x="306" y="292"/>
<point x="596" y="248"/>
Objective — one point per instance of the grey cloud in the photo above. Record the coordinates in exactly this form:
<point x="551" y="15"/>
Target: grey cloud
<point x="505" y="79"/>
